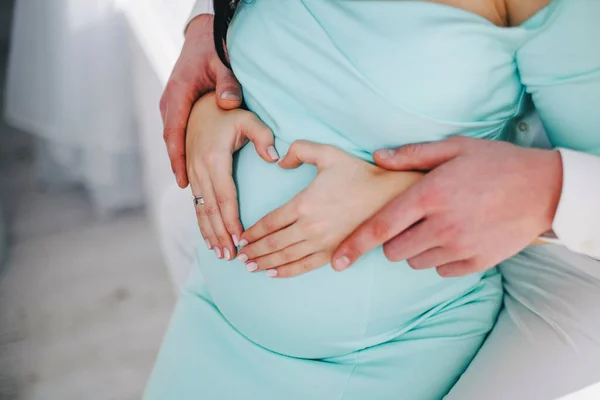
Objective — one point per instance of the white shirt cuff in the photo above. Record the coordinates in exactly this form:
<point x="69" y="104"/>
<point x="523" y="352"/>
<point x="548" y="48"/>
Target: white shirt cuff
<point x="577" y="219"/>
<point x="201" y="7"/>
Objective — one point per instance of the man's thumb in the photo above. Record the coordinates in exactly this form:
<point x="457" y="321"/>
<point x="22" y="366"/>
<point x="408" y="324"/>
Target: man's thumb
<point x="229" y="93"/>
<point x="417" y="156"/>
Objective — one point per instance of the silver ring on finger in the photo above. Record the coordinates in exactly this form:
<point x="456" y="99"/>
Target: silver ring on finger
<point x="198" y="201"/>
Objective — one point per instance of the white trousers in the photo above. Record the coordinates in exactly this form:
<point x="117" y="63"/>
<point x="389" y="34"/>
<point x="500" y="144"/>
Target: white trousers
<point x="545" y="344"/>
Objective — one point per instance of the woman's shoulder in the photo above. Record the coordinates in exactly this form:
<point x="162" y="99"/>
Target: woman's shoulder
<point x="562" y="26"/>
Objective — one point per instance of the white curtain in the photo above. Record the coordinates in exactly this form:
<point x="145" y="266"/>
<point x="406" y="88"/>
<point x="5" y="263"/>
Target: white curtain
<point x="69" y="83"/>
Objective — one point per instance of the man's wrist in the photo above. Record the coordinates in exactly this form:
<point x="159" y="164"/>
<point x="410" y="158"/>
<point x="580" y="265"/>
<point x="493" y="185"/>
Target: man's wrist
<point x="551" y="160"/>
<point x="546" y="175"/>
<point x="201" y="25"/>
<point x="201" y="7"/>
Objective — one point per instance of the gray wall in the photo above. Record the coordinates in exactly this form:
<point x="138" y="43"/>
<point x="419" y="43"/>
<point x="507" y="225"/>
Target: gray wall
<point x="15" y="146"/>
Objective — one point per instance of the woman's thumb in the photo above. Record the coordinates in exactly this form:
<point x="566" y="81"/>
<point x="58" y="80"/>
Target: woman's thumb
<point x="262" y="138"/>
<point x="304" y="151"/>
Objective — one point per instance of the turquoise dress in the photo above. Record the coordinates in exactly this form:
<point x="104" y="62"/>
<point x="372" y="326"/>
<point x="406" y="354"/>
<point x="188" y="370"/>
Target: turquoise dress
<point x="364" y="75"/>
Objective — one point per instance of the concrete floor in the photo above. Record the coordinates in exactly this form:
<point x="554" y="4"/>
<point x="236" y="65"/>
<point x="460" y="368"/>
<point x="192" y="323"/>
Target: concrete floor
<point x="82" y="312"/>
<point x="83" y="303"/>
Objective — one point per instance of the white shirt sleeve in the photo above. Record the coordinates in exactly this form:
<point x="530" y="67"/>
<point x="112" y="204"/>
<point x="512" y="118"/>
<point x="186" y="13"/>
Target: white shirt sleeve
<point x="201" y="7"/>
<point x="564" y="84"/>
<point x="577" y="219"/>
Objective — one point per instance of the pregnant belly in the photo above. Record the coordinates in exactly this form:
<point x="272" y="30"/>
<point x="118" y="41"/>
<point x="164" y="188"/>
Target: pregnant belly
<point x="322" y="313"/>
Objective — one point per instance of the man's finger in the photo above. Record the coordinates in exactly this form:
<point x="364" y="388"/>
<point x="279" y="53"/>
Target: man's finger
<point x="401" y="213"/>
<point x="419" y="156"/>
<point x="163" y="106"/>
<point x="179" y="169"/>
<point x="175" y="141"/>
<point x="456" y="269"/>
<point x="431" y="258"/>
<point x="229" y="93"/>
<point x="178" y="108"/>
<point x="412" y="242"/>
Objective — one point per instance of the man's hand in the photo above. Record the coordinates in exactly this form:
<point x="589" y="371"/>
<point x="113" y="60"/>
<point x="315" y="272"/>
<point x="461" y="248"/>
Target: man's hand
<point x="481" y="203"/>
<point x="197" y="71"/>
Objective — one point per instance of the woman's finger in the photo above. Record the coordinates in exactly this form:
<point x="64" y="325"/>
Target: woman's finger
<point x="226" y="196"/>
<point x="282" y="257"/>
<point x="270" y="223"/>
<point x="303" y="151"/>
<point x="299" y="267"/>
<point x="223" y="244"/>
<point x="205" y="228"/>
<point x="274" y="242"/>
<point x="261" y="136"/>
<point x="203" y="222"/>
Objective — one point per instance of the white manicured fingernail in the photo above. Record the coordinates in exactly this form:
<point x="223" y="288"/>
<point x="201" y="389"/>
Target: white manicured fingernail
<point x="273" y="153"/>
<point x="235" y="240"/>
<point x="242" y="257"/>
<point x="243" y="243"/>
<point x="218" y="252"/>
<point x="271" y="273"/>
<point x="251" y="267"/>
<point x="227" y="253"/>
<point x="229" y="95"/>
<point x="207" y="244"/>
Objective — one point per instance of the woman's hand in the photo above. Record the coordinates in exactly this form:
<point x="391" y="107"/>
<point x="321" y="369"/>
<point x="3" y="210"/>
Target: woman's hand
<point x="197" y="71"/>
<point x="302" y="234"/>
<point x="213" y="135"/>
